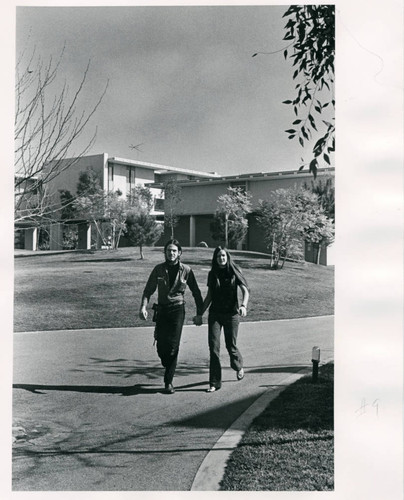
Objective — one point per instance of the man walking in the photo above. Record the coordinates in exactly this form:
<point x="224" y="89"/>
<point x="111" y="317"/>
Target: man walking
<point x="170" y="279"/>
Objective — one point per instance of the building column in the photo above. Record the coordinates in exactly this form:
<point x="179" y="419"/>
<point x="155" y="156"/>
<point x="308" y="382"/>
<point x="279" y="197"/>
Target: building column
<point x="56" y="237"/>
<point x="31" y="238"/>
<point x="84" y="236"/>
<point x="192" y="228"/>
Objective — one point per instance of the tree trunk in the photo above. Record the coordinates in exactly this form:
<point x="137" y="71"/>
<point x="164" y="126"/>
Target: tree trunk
<point x="99" y="232"/>
<point x="283" y="261"/>
<point x="318" y="254"/>
<point x="272" y="263"/>
<point x="113" y="237"/>
<point x="36" y="243"/>
<point x="226" y="230"/>
<point x="118" y="238"/>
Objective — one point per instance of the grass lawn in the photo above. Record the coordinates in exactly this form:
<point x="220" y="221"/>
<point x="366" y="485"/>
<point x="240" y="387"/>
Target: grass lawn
<point x="290" y="446"/>
<point x="102" y="289"/>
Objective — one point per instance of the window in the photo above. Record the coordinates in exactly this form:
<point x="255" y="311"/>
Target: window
<point x="239" y="184"/>
<point x="110" y="177"/>
<point x="159" y="204"/>
<point x="130" y="179"/>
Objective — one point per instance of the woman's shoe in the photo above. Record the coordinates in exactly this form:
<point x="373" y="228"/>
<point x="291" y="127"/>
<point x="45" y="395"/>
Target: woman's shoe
<point x="212" y="388"/>
<point x="169" y="389"/>
<point x="240" y="374"/>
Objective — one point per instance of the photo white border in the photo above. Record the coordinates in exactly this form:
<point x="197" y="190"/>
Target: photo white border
<point x="369" y="269"/>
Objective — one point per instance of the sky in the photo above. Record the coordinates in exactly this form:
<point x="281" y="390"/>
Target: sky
<point x="182" y="82"/>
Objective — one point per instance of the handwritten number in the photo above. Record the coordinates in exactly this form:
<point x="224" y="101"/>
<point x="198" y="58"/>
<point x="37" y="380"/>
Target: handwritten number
<point x="364" y="407"/>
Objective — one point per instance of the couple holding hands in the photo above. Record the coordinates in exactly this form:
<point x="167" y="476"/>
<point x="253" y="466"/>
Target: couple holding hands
<point x="171" y="279"/>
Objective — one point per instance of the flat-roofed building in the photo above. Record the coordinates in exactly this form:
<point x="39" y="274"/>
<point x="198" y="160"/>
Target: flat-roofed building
<point x="199" y="196"/>
<point x="199" y="201"/>
<point x="114" y="174"/>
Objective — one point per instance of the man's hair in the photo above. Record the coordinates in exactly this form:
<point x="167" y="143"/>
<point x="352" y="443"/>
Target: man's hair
<point x="173" y="242"/>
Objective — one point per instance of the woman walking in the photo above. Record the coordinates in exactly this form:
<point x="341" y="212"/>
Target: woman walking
<point x="224" y="279"/>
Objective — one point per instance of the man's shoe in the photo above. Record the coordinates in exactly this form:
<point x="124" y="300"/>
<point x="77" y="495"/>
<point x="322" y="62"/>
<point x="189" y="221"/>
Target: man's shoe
<point x="169" y="389"/>
<point x="240" y="374"/>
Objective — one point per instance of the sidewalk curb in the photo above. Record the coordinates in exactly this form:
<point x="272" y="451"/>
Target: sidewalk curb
<point x="186" y="326"/>
<point x="211" y="470"/>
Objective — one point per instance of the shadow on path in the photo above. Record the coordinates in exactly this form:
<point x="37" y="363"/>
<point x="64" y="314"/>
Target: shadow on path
<point x="126" y="368"/>
<point x="132" y="390"/>
<point x="279" y="369"/>
<point x="96" y="389"/>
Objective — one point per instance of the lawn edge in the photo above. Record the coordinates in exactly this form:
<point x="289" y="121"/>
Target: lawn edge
<point x="212" y="468"/>
<point x="78" y="330"/>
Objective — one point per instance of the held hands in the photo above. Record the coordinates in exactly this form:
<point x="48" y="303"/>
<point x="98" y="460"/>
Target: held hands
<point x="143" y="313"/>
<point x="242" y="310"/>
<point x="197" y="320"/>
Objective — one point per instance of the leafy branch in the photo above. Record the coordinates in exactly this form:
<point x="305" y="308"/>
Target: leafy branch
<point x="311" y="32"/>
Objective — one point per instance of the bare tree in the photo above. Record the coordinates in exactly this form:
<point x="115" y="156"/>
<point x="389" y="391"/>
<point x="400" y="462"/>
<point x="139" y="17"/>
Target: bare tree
<point x="47" y="126"/>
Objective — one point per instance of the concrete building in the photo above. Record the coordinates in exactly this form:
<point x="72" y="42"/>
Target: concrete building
<point x="122" y="174"/>
<point x="199" y="202"/>
<point x="199" y="194"/>
<point x="114" y="174"/>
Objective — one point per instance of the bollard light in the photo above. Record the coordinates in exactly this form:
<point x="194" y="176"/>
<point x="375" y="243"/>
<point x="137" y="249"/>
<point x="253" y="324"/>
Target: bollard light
<point x="315" y="354"/>
<point x="315" y="358"/>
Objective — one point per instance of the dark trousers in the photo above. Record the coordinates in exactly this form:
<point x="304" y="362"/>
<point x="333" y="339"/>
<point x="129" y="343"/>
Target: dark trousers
<point x="229" y="323"/>
<point x="168" y="331"/>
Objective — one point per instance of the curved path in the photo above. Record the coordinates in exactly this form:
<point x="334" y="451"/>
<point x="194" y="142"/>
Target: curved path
<point x="89" y="414"/>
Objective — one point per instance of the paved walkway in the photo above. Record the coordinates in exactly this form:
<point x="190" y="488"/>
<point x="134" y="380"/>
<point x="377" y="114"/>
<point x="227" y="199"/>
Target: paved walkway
<point x="89" y="413"/>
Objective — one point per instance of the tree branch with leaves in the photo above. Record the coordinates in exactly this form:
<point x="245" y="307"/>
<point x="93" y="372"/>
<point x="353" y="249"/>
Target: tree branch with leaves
<point x="310" y="30"/>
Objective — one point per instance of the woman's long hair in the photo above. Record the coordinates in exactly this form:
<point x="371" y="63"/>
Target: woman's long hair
<point x="232" y="268"/>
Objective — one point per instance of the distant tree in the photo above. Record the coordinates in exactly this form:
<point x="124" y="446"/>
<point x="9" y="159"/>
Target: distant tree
<point x="291" y="217"/>
<point x="47" y="126"/>
<point x="70" y="237"/>
<point x="278" y="218"/>
<point x="116" y="210"/>
<point x="140" y="198"/>
<point x="230" y="223"/>
<point x="88" y="183"/>
<point x="67" y="211"/>
<point x="325" y="191"/>
<point x="107" y="211"/>
<point x="142" y="229"/>
<point x="311" y="33"/>
<point x="172" y="199"/>
<point x="318" y="229"/>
